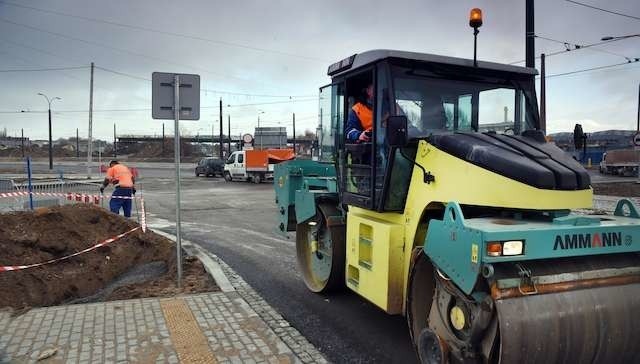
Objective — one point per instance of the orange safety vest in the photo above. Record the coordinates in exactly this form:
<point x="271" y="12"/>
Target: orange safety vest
<point x="365" y="115"/>
<point x="119" y="174"/>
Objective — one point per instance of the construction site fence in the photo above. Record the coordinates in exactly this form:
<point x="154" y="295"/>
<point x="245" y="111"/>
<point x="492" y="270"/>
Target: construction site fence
<point x="58" y="188"/>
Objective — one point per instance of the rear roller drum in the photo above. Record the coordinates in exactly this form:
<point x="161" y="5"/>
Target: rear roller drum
<point x="320" y="246"/>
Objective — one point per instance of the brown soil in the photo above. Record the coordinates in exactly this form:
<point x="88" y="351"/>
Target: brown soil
<point x="48" y="233"/>
<point x="622" y="189"/>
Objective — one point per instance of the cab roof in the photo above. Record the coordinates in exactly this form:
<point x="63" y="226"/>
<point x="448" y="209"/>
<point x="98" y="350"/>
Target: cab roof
<point x="362" y="59"/>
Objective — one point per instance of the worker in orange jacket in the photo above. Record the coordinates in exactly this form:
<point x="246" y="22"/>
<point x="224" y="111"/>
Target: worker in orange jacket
<point x="124" y="182"/>
<point x="360" y="119"/>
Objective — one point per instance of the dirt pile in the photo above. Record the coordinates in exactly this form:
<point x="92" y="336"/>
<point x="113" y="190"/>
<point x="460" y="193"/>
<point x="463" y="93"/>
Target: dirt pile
<point x="138" y="265"/>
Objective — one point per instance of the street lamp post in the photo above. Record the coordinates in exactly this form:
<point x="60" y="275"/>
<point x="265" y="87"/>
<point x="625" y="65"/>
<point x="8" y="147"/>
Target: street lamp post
<point x="258" y="129"/>
<point x="49" y="101"/>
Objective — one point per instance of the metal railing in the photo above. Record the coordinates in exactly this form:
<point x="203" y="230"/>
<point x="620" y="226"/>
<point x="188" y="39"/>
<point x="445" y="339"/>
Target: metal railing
<point x="57" y="188"/>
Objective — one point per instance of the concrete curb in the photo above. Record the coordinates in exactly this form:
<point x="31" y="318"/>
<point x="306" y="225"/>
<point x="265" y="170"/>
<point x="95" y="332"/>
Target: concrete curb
<point x="210" y="264"/>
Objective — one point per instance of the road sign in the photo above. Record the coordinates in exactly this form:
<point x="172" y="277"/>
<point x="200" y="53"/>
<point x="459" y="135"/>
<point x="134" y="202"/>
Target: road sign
<point x="176" y="96"/>
<point x="162" y="96"/>
<point x="636" y="140"/>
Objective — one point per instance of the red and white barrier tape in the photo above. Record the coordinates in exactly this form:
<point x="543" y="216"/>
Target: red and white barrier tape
<point x="69" y="195"/>
<point x="96" y="246"/>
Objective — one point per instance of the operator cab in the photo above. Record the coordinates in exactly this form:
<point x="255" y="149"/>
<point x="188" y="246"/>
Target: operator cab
<point x="446" y="101"/>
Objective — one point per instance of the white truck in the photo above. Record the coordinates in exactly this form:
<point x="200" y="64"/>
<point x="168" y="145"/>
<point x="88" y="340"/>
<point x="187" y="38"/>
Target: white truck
<point x="254" y="165"/>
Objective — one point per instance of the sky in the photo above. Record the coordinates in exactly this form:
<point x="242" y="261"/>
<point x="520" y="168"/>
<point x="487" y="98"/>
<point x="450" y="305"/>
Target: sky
<point x="267" y="59"/>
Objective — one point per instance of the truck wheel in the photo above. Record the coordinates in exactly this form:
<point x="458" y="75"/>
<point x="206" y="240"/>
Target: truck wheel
<point x="256" y="178"/>
<point x="227" y="177"/>
<point x="320" y="247"/>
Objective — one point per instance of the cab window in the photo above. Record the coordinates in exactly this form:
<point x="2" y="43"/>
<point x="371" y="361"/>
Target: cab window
<point x="240" y="158"/>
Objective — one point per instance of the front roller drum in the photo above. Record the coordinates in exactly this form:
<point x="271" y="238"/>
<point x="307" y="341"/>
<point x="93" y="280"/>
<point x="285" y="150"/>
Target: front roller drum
<point x="320" y="248"/>
<point x="594" y="325"/>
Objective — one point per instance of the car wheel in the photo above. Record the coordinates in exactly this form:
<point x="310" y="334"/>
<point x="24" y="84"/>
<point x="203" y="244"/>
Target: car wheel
<point x="197" y="174"/>
<point x="227" y="177"/>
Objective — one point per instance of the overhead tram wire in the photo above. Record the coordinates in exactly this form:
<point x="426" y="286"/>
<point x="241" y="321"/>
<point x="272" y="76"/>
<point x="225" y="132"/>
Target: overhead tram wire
<point x="121" y="50"/>
<point x="204" y="89"/>
<point x="592" y="69"/>
<point x="149" y="109"/>
<point x="592" y="47"/>
<point x="164" y="32"/>
<point x="603" y="10"/>
<point x="45" y="69"/>
<point x="570" y="47"/>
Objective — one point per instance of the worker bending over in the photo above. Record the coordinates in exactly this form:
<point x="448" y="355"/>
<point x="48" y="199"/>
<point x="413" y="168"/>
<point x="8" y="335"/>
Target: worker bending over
<point x="122" y="179"/>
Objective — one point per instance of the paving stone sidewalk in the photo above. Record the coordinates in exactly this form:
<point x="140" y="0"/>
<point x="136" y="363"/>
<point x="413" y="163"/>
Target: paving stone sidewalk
<point x="235" y="326"/>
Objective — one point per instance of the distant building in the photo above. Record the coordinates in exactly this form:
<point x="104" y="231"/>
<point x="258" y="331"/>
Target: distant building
<point x="13" y="142"/>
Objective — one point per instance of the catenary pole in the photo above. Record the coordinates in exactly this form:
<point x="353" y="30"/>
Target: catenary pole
<point x="89" y="138"/>
<point x="221" y="123"/>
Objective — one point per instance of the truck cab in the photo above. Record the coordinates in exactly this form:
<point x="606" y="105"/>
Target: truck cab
<point x="235" y="168"/>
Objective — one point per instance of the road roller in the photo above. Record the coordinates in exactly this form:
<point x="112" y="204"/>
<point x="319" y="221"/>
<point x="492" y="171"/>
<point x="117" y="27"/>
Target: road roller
<point x="457" y="212"/>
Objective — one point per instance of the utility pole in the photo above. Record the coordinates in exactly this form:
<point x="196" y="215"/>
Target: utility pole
<point x="89" y="141"/>
<point x="49" y="101"/>
<point x="162" y="138"/>
<point x="229" y="132"/>
<point x="77" y="144"/>
<point x="115" y="145"/>
<point x="22" y="141"/>
<point x="530" y="35"/>
<point x="294" y="133"/>
<point x="50" y="142"/>
<point x="221" y="122"/>
<point x="543" y="95"/>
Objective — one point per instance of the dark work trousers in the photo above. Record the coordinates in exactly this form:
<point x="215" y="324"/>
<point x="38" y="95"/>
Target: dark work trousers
<point x="125" y="203"/>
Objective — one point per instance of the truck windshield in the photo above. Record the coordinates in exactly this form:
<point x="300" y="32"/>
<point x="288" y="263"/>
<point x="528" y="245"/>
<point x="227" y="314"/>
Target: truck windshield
<point x="434" y="104"/>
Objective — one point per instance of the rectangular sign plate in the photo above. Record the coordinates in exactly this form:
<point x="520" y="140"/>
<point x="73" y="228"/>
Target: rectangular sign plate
<point x="162" y="96"/>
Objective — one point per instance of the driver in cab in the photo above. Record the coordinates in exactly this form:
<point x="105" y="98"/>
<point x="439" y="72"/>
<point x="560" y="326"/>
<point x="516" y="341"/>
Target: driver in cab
<point x="360" y="119"/>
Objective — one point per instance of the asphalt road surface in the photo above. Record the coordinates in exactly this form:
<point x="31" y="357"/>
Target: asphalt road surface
<point x="237" y="222"/>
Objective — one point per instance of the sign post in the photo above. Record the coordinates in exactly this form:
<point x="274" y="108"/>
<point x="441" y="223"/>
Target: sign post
<point x="176" y="96"/>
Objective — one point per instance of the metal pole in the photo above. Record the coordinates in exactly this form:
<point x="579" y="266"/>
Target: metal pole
<point x="475" y="46"/>
<point x="89" y="140"/>
<point x="30" y="186"/>
<point x="22" y="141"/>
<point x="259" y="131"/>
<point x="229" y="132"/>
<point x="638" y="122"/>
<point x="221" y="151"/>
<point x="77" y="144"/>
<point x="176" y="115"/>
<point x="50" y="142"/>
<point x="162" y="138"/>
<point x="543" y="95"/>
<point x="530" y="35"/>
<point x="213" y="132"/>
<point x="115" y="144"/>
<point x="294" y="133"/>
